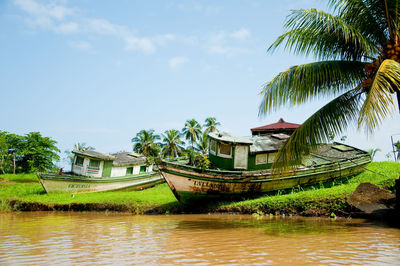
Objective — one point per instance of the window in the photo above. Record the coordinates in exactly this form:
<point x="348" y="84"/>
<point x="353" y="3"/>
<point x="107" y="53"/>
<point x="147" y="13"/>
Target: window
<point x="94" y="164"/>
<point x="129" y="170"/>
<point x="79" y="161"/>
<point x="213" y="146"/>
<point x="261" y="158"/>
<point x="225" y="150"/>
<point x="271" y="157"/>
<point x="142" y="169"/>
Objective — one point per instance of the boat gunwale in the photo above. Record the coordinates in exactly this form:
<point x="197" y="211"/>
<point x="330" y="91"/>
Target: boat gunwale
<point x="78" y="178"/>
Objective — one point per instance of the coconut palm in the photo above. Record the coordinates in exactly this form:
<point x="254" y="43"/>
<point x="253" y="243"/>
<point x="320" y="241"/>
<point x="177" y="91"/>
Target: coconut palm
<point x="202" y="144"/>
<point x="358" y="50"/>
<point x="145" y="143"/>
<point x="172" y="143"/>
<point x="211" y="124"/>
<point x="79" y="146"/>
<point x="372" y="152"/>
<point x="192" y="131"/>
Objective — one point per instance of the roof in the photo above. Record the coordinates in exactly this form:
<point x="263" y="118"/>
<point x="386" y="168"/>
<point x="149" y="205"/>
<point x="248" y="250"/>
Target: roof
<point x="128" y="158"/>
<point x="281" y="124"/>
<point x="95" y="154"/>
<point x="227" y="137"/>
<point x="262" y="144"/>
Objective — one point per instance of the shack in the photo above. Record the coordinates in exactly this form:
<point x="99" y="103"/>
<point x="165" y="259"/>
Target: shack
<point x="98" y="164"/>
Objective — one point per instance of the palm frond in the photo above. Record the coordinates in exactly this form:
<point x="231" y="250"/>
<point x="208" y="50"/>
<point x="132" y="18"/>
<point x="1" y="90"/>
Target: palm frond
<point x="331" y="118"/>
<point x="379" y="101"/>
<point x="300" y="83"/>
<point x="326" y="36"/>
<point x="368" y="16"/>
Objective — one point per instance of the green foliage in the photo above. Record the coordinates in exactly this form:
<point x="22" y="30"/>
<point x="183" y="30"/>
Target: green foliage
<point x="192" y="131"/>
<point x="359" y="49"/>
<point x="329" y="198"/>
<point x="172" y="143"/>
<point x="372" y="152"/>
<point x="145" y="143"/>
<point x="33" y="151"/>
<point x="203" y="142"/>
<point x="211" y="124"/>
<point x="202" y="161"/>
<point x="79" y="146"/>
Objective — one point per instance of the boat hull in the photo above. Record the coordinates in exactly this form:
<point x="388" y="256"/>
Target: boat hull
<point x="189" y="183"/>
<point x="82" y="184"/>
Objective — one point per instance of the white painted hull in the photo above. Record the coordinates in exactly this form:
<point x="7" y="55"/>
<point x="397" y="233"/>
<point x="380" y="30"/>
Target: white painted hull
<point x="73" y="184"/>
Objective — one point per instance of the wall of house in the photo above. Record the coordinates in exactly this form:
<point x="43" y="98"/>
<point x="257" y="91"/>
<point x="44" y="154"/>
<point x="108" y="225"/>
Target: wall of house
<point x="121" y="170"/>
<point x="84" y="169"/>
<point x="223" y="163"/>
<point x="252" y="162"/>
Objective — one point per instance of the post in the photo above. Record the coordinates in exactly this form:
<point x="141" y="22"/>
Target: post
<point x="14" y="163"/>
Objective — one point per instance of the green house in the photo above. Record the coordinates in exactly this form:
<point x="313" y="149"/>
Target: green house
<point x="230" y="152"/>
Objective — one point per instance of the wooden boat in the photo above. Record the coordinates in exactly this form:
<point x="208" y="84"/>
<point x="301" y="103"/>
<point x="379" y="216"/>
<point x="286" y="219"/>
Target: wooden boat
<point x="241" y="166"/>
<point x="93" y="171"/>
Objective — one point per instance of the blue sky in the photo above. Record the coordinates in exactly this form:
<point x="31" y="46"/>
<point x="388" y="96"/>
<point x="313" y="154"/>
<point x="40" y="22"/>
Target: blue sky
<point x="100" y="71"/>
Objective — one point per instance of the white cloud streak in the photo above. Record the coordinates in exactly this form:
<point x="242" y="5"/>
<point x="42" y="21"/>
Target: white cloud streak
<point x="60" y="19"/>
<point x="176" y="62"/>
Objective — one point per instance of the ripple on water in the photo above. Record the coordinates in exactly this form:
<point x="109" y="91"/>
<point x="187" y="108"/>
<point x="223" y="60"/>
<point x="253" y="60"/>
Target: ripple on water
<point x="97" y="238"/>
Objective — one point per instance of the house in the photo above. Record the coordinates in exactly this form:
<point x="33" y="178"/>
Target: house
<point x="98" y="164"/>
<point x="280" y="127"/>
<point x="227" y="151"/>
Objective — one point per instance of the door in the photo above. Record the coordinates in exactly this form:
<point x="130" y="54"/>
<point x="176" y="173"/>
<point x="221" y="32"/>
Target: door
<point x="241" y="156"/>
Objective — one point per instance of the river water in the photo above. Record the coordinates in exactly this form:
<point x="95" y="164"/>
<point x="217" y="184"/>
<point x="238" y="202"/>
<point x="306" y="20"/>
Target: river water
<point x="104" y="238"/>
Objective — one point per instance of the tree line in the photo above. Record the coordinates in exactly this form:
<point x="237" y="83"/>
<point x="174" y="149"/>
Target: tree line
<point x="28" y="153"/>
<point x="171" y="143"/>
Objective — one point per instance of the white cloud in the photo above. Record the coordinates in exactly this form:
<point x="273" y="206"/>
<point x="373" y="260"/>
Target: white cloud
<point x="177" y="62"/>
<point x="241" y="34"/>
<point x="51" y="10"/>
<point x="60" y="19"/>
<point x="225" y="43"/>
<point x="80" y="45"/>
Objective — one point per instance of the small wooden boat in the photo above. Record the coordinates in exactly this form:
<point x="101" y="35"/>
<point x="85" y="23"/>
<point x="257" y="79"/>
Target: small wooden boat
<point x="241" y="166"/>
<point x="93" y="171"/>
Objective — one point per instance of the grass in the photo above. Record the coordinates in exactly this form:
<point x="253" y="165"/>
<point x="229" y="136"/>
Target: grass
<point x="24" y="192"/>
<point x="323" y="199"/>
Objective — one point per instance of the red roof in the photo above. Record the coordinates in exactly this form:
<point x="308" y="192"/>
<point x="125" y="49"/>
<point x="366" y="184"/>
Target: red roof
<point x="281" y="124"/>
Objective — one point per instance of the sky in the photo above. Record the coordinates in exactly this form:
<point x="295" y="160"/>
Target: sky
<point x="98" y="71"/>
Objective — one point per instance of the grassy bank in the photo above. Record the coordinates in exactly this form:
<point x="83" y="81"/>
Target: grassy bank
<point x="24" y="193"/>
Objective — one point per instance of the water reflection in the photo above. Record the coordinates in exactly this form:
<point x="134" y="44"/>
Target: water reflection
<point x="89" y="238"/>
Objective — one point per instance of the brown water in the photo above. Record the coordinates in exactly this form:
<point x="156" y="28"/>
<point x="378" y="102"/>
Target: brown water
<point x="98" y="238"/>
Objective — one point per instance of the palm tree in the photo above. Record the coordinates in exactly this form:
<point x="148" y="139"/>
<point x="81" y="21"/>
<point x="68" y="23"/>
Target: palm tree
<point x="192" y="130"/>
<point x="211" y="124"/>
<point x="372" y="152"/>
<point x="359" y="52"/>
<point x="202" y="144"/>
<point x="145" y="143"/>
<point x="79" y="146"/>
<point x="172" y="143"/>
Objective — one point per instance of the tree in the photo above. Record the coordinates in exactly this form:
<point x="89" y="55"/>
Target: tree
<point x="40" y="152"/>
<point x="358" y="50"/>
<point x="79" y="146"/>
<point x="192" y="131"/>
<point x="202" y="144"/>
<point x="145" y="143"/>
<point x="171" y="145"/>
<point x="372" y="152"/>
<point x="3" y="151"/>
<point x="211" y="124"/>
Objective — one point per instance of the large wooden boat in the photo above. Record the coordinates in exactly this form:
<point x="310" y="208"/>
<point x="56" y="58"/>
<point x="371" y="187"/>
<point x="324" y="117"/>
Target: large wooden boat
<point x="241" y="166"/>
<point x="93" y="171"/>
